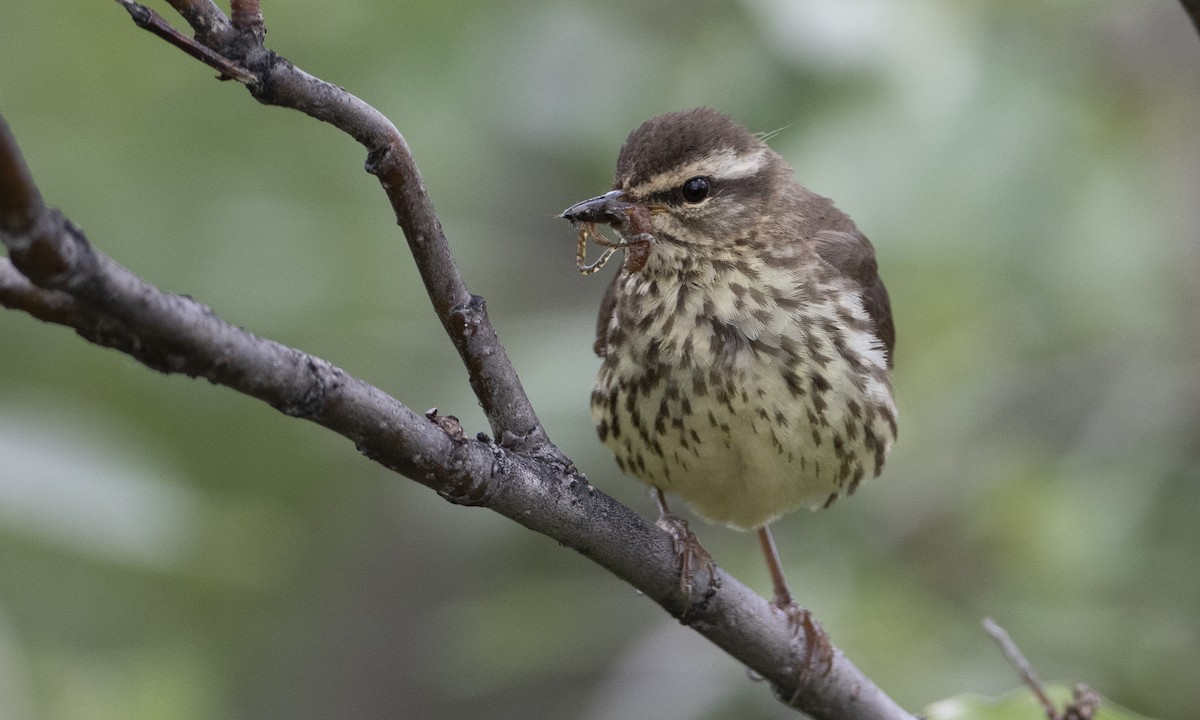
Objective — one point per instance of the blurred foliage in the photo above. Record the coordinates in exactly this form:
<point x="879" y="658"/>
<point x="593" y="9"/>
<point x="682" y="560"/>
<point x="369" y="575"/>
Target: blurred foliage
<point x="1016" y="705"/>
<point x="1028" y="171"/>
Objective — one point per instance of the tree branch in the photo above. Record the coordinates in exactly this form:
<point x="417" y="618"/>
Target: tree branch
<point x="147" y="19"/>
<point x="247" y="15"/>
<point x="463" y="315"/>
<point x="1085" y="702"/>
<point x="1192" y="8"/>
<point x="212" y="27"/>
<point x="1023" y="667"/>
<point x="56" y="275"/>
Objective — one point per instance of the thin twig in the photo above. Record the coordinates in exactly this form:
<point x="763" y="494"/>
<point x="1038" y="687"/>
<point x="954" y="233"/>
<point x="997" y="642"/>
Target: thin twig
<point x="18" y="293"/>
<point x="247" y="15"/>
<point x="211" y="26"/>
<point x="20" y="201"/>
<point x="1021" y="665"/>
<point x="464" y="315"/>
<point x="147" y="19"/>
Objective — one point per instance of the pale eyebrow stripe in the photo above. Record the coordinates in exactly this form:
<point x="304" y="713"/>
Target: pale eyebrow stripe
<point x="724" y="164"/>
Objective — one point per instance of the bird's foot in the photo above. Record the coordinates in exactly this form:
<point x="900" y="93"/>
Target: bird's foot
<point x="688" y="551"/>
<point x="818" y="650"/>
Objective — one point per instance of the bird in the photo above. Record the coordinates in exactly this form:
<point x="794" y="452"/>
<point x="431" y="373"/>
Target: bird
<point x="747" y="340"/>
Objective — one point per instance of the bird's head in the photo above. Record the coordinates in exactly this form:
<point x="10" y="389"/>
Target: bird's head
<point x="701" y="180"/>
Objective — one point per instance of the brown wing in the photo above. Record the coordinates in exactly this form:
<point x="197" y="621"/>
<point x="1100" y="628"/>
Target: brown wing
<point x="607" y="306"/>
<point x="851" y="254"/>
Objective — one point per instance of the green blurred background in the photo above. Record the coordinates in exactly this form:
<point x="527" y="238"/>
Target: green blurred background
<point x="1028" y="171"/>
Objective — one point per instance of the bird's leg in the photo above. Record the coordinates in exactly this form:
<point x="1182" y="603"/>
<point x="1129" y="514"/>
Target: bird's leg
<point x="688" y="551"/>
<point x="818" y="651"/>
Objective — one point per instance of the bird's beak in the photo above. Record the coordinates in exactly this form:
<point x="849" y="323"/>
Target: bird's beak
<point x="608" y="208"/>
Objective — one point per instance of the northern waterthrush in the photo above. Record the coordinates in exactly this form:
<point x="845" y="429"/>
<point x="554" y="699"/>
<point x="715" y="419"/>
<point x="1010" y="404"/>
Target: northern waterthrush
<point x="746" y="341"/>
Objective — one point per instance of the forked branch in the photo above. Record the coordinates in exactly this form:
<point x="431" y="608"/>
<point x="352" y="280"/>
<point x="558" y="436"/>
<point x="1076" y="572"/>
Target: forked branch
<point x="54" y="273"/>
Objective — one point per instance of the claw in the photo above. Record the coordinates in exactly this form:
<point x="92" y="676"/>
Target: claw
<point x="688" y="551"/>
<point x="691" y="555"/>
<point x="818" y="650"/>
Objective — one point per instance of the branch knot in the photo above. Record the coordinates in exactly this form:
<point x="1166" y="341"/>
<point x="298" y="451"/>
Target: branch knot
<point x="469" y="317"/>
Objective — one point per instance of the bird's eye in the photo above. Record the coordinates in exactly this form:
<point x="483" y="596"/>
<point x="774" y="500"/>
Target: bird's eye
<point x="695" y="190"/>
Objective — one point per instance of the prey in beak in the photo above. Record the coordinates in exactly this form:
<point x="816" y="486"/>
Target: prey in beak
<point x="630" y="220"/>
